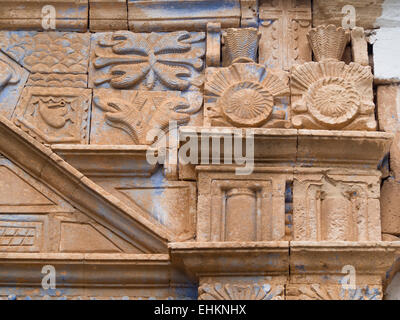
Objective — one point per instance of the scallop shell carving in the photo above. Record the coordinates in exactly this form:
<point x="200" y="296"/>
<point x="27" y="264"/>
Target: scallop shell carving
<point x="245" y="93"/>
<point x="240" y="45"/>
<point x="328" y="42"/>
<point x="333" y="93"/>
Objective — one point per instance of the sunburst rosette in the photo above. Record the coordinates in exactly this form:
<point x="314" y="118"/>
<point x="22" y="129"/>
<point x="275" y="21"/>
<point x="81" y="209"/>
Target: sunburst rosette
<point x="244" y="94"/>
<point x="332" y="95"/>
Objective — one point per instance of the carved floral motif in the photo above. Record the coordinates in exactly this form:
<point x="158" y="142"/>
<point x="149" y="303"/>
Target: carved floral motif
<point x="143" y="111"/>
<point x="149" y="61"/>
<point x="244" y="95"/>
<point x="330" y="94"/>
<point x="218" y="291"/>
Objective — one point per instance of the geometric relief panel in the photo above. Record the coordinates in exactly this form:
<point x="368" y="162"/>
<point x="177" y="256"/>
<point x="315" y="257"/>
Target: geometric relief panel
<point x="21" y="233"/>
<point x="20" y="193"/>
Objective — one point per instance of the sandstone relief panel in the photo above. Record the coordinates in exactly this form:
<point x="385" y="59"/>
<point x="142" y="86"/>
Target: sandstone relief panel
<point x="246" y="95"/>
<point x="284" y="26"/>
<point x="336" y="208"/>
<point x="152" y="61"/>
<point x="138" y="117"/>
<point x="55" y="115"/>
<point x="329" y="94"/>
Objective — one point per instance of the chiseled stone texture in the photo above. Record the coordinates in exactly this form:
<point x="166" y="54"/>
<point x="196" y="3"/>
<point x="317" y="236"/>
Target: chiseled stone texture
<point x="370" y="14"/>
<point x="71" y="15"/>
<point x="390" y="203"/>
<point x="388" y="115"/>
<point x="12" y="80"/>
<point x="147" y="61"/>
<point x="106" y="15"/>
<point x="171" y="15"/>
<point x="48" y="52"/>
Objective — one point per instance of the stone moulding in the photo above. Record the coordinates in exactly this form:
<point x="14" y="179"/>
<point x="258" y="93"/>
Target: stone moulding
<point x="172" y="15"/>
<point x="22" y="15"/>
<point x="320" y="148"/>
<point x="232" y="258"/>
<point x="310" y="262"/>
<point x="107" y="160"/>
<point x="49" y="168"/>
<point x="137" y="276"/>
<point x="106" y="15"/>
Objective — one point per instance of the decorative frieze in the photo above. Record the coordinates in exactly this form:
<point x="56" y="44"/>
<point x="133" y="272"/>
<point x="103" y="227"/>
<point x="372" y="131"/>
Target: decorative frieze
<point x="172" y="15"/>
<point x="71" y="15"/>
<point x="48" y="52"/>
<point x="152" y="61"/>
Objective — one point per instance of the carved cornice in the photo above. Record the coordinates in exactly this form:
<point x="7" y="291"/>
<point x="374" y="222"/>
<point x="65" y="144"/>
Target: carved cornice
<point x="44" y="165"/>
<point x="369" y="259"/>
<point x="108" y="160"/>
<point x="317" y="148"/>
<point x="232" y="258"/>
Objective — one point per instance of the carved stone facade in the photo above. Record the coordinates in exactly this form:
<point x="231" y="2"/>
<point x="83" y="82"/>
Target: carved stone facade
<point x="203" y="149"/>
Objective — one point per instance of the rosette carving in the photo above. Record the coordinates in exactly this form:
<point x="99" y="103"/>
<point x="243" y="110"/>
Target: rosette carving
<point x="244" y="95"/>
<point x="218" y="291"/>
<point x="332" y="95"/>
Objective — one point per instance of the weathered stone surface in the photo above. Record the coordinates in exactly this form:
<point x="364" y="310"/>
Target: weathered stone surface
<point x="284" y="27"/>
<point x="251" y="208"/>
<point x="265" y="91"/>
<point x="368" y="14"/>
<point x="55" y="115"/>
<point x="213" y="56"/>
<point x="48" y="52"/>
<point x="58" y="80"/>
<point x="12" y="81"/>
<point x="110" y="163"/>
<point x="388" y="115"/>
<point x="332" y="207"/>
<point x="321" y="89"/>
<point x="249" y="13"/>
<point x="128" y="117"/>
<point x="239" y="45"/>
<point x="155" y="61"/>
<point x="27" y="15"/>
<point x="172" y="15"/>
<point x="359" y="46"/>
<point x="390" y="207"/>
<point x="106" y="15"/>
